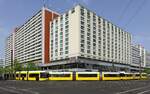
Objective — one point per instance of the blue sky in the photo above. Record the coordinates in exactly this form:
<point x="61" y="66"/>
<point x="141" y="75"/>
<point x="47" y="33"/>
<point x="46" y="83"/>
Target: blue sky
<point x="131" y="15"/>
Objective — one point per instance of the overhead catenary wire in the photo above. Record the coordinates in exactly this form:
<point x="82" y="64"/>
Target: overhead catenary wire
<point x="125" y="10"/>
<point x="136" y="12"/>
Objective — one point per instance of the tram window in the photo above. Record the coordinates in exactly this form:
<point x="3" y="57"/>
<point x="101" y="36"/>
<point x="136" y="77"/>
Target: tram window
<point x="87" y="75"/>
<point x="33" y="75"/>
<point x="122" y="75"/>
<point x="17" y="75"/>
<point x="111" y="75"/>
<point x="23" y="75"/>
<point x="144" y="75"/>
<point x="137" y="75"/>
<point x="129" y="75"/>
<point x="43" y="75"/>
<point x="59" y="75"/>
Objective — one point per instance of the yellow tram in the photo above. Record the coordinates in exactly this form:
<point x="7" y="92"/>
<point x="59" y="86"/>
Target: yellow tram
<point x="51" y="75"/>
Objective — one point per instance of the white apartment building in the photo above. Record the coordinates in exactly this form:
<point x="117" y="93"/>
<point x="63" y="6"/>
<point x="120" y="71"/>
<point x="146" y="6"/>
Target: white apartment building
<point x="135" y="52"/>
<point x="147" y="59"/>
<point x="2" y="62"/>
<point x="81" y="33"/>
<point x="31" y="40"/>
<point x="9" y="50"/>
<point x="142" y="55"/>
<point x="28" y="40"/>
<point x="138" y="56"/>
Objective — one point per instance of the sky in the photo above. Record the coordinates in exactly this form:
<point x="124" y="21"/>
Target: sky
<point x="132" y="16"/>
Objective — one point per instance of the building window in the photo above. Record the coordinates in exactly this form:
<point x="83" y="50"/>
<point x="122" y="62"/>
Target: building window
<point x="88" y="47"/>
<point x="61" y="49"/>
<point x="82" y="36"/>
<point x="73" y="10"/>
<point x="66" y="43"/>
<point x="61" y="53"/>
<point x="66" y="35"/>
<point x="61" y="45"/>
<point x="61" y="33"/>
<point x="66" y="39"/>
<point x="82" y="31"/>
<point x="88" y="51"/>
<point x="61" y="37"/>
<point x="94" y="53"/>
<point x="82" y="41"/>
<point x="82" y="27"/>
<point x="82" y="50"/>
<point x="82" y="23"/>
<point x="66" y="52"/>
<point x="82" y="45"/>
<point x="66" y="48"/>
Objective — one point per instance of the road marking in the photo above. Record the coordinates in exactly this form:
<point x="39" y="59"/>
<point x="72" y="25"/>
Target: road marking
<point x="132" y="90"/>
<point x="29" y="91"/>
<point x="9" y="90"/>
<point x="143" y="92"/>
<point x="25" y="90"/>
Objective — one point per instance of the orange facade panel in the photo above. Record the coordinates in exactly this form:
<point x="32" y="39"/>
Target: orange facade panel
<point x="49" y="16"/>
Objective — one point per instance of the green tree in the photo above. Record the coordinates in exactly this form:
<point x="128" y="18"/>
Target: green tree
<point x="31" y="66"/>
<point x="147" y="70"/>
<point x="1" y="70"/>
<point x="8" y="72"/>
<point x="17" y="66"/>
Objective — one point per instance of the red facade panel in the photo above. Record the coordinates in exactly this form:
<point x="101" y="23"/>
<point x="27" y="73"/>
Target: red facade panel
<point x="49" y="16"/>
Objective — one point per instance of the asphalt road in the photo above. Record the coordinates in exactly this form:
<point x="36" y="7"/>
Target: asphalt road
<point x="75" y="87"/>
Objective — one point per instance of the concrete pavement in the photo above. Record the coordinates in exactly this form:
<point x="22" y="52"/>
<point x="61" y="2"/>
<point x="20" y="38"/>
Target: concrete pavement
<point x="75" y="87"/>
